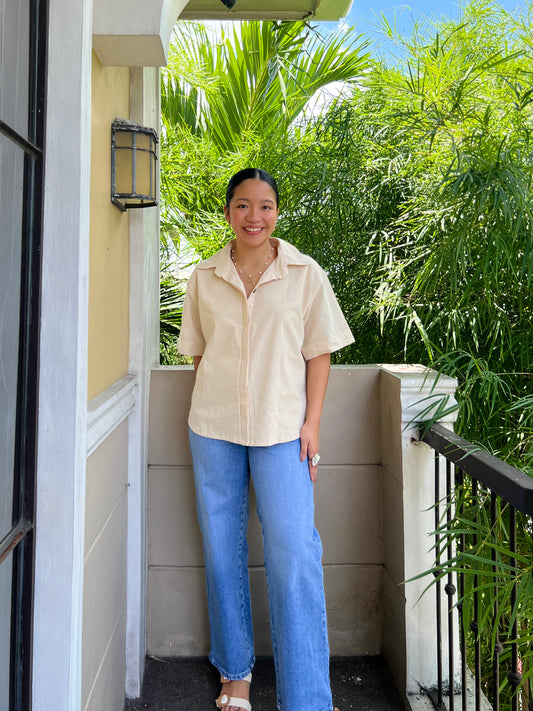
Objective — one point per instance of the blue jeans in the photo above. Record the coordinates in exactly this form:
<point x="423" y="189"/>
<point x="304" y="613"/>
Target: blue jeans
<point x="292" y="551"/>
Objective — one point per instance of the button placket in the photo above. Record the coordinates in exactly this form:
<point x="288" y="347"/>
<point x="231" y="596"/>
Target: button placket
<point x="246" y="333"/>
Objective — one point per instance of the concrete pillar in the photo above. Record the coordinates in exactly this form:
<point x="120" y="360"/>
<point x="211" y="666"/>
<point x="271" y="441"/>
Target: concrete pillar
<point x="409" y="394"/>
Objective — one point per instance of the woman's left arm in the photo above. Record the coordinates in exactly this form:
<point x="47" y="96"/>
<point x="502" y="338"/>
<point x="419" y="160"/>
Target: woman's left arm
<point x="316" y="384"/>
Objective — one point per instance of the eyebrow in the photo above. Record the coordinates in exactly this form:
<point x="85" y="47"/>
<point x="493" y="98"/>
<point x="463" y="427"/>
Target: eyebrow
<point x="243" y="199"/>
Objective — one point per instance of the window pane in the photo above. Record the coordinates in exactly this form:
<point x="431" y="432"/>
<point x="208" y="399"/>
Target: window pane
<point x="123" y="171"/>
<point x="144" y="164"/>
<point x="123" y="139"/>
<point x="11" y="187"/>
<point x="144" y="141"/>
<point x="14" y="43"/>
<point x="6" y="570"/>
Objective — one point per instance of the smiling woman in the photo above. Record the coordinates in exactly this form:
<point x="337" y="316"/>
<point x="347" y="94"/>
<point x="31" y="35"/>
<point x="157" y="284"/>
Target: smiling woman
<point x="260" y="320"/>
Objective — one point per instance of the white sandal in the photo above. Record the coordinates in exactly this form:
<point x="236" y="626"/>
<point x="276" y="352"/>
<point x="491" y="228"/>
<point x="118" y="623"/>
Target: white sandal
<point x="225" y="700"/>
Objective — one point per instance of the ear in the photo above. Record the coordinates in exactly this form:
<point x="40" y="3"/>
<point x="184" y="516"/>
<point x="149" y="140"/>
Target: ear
<point x="226" y="215"/>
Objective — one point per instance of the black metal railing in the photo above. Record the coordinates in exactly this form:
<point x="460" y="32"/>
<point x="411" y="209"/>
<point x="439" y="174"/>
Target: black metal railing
<point x="484" y="568"/>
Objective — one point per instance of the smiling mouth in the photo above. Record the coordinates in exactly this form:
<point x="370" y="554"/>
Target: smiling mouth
<point x="253" y="230"/>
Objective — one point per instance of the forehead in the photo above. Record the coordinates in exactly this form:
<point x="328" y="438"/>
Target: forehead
<point x="254" y="189"/>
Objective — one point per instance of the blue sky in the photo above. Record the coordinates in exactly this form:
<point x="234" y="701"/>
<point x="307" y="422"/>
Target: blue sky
<point x="365" y="13"/>
<point x="365" y="10"/>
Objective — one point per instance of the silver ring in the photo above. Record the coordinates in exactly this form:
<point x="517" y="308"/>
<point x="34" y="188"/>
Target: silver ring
<point x="315" y="459"/>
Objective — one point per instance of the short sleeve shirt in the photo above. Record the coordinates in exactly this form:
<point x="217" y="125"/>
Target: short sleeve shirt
<point x="250" y="387"/>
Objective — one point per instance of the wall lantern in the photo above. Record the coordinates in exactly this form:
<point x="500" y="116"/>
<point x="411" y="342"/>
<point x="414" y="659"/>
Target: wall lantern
<point x="133" y="165"/>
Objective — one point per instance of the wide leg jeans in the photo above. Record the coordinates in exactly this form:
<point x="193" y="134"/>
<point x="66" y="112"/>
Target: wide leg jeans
<point x="292" y="553"/>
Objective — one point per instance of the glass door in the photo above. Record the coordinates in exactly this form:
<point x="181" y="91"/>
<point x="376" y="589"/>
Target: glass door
<point x="22" y="81"/>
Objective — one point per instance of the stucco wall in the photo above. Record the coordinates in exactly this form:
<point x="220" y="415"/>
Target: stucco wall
<point x="348" y="517"/>
<point x="109" y="238"/>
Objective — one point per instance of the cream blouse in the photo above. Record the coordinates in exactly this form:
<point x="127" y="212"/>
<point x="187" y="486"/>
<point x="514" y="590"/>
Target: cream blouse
<point x="251" y="382"/>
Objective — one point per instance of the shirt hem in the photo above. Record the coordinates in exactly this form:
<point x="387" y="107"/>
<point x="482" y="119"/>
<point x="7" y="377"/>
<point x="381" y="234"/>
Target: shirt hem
<point x="315" y="350"/>
<point x="245" y="442"/>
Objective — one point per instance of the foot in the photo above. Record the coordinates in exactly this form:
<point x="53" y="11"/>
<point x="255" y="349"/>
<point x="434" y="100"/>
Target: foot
<point x="234" y="692"/>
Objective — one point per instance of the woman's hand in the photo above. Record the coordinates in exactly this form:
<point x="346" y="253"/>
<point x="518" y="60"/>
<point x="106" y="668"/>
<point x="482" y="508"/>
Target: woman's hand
<point x="309" y="447"/>
<point x="317" y="374"/>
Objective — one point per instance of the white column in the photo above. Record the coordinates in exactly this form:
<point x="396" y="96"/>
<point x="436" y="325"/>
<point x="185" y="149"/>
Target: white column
<point x="144" y="354"/>
<point x="420" y="391"/>
<point x="60" y="512"/>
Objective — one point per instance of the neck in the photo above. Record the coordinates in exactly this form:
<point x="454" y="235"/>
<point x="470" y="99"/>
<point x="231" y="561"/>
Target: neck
<point x="251" y="255"/>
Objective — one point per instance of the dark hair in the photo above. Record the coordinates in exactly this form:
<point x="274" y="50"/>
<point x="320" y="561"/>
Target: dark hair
<point x="250" y="174"/>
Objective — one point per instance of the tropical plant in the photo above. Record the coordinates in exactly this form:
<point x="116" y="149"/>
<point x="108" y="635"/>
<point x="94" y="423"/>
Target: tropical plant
<point x="171" y="295"/>
<point x="254" y="79"/>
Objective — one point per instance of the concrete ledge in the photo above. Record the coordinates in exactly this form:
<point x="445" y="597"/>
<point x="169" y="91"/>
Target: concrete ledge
<point x="423" y="702"/>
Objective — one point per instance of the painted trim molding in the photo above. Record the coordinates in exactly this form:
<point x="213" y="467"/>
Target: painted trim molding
<point x="107" y="410"/>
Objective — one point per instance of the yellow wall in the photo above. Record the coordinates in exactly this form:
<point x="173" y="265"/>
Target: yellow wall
<point x="109" y="238"/>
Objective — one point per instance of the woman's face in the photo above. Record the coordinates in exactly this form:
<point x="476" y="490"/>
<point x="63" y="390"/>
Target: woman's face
<point x="252" y="212"/>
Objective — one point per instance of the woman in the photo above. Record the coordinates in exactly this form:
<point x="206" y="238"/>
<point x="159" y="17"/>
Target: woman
<point x="260" y="320"/>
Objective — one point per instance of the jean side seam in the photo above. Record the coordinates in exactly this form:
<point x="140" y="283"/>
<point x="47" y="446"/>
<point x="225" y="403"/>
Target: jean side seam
<point x="243" y="567"/>
<point x="272" y="624"/>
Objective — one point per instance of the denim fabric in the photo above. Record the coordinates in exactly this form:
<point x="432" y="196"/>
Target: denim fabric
<point x="292" y="551"/>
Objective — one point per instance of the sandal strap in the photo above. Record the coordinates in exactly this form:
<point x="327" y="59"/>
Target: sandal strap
<point x="225" y="700"/>
<point x="248" y="678"/>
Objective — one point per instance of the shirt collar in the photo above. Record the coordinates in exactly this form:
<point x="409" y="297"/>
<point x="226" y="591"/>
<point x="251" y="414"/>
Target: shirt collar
<point x="288" y="255"/>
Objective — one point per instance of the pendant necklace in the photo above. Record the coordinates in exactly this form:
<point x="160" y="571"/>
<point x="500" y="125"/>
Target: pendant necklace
<point x="254" y="277"/>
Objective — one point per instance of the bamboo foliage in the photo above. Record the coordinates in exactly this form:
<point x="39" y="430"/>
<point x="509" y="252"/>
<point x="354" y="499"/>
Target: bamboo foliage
<point x="456" y="262"/>
<point x="455" y="275"/>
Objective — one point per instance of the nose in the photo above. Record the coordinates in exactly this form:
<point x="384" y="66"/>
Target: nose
<point x="253" y="214"/>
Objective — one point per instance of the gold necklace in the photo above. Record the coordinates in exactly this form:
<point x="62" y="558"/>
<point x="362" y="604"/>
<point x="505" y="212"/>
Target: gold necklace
<point x="254" y="277"/>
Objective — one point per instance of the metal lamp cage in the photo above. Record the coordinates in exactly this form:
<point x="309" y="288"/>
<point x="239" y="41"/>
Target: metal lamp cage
<point x="133" y="165"/>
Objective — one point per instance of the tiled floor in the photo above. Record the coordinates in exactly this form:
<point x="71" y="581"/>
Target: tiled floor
<point x="362" y="683"/>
